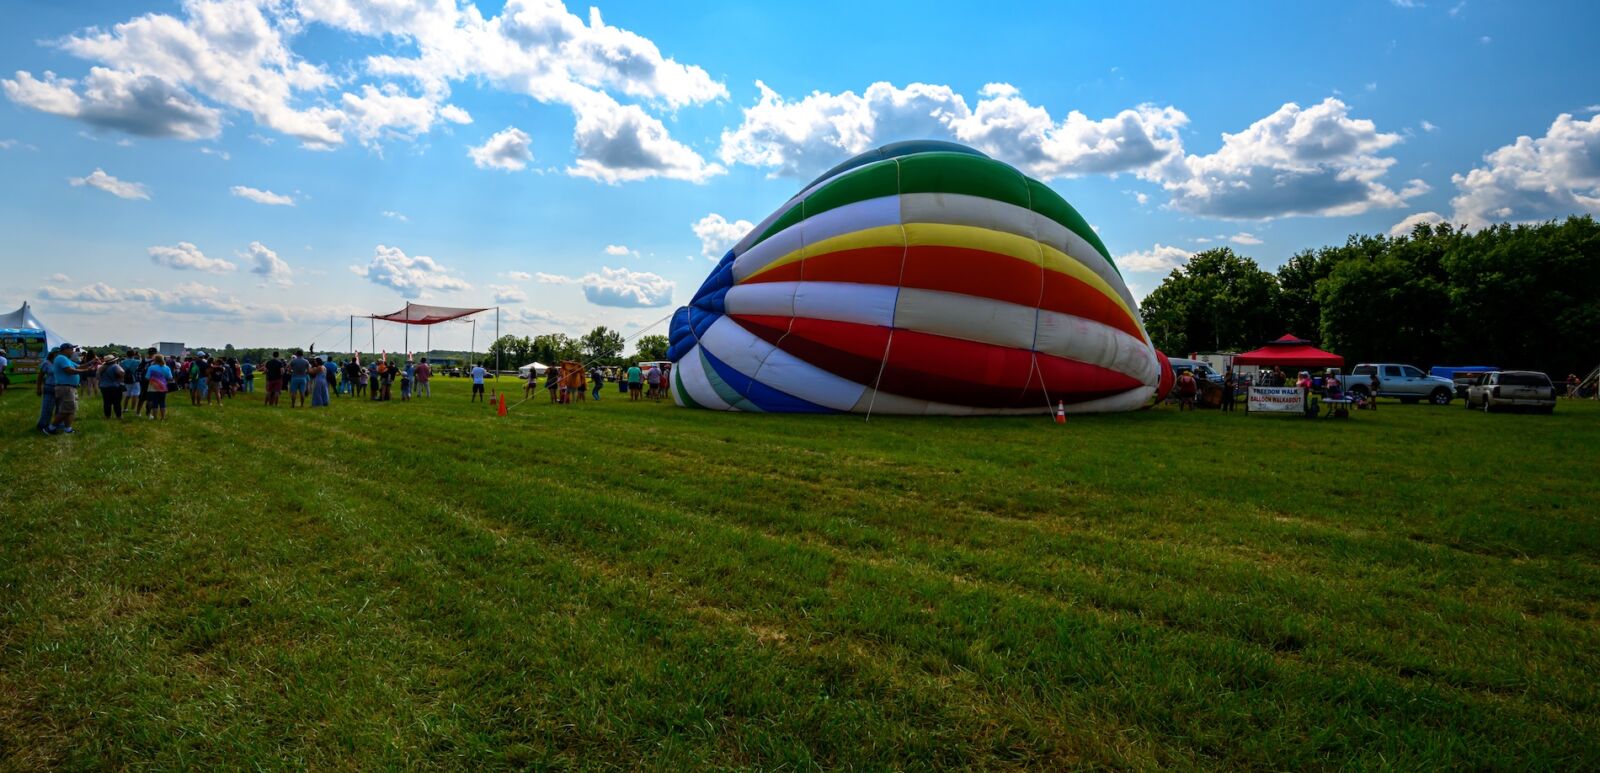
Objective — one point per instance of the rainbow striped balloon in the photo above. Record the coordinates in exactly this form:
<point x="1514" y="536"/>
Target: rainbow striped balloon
<point x="918" y="278"/>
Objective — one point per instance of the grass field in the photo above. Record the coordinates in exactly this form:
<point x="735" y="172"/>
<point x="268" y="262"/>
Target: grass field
<point x="636" y="585"/>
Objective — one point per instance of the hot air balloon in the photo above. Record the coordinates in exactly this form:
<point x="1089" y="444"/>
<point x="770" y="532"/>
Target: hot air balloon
<point x="917" y="278"/>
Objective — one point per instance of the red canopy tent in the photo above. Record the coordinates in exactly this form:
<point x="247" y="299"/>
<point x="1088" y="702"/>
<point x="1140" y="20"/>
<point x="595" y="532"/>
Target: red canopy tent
<point x="423" y="314"/>
<point x="1290" y="351"/>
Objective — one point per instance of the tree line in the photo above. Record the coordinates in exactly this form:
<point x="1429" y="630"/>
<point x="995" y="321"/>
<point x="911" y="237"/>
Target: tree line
<point x="600" y="346"/>
<point x="1512" y="296"/>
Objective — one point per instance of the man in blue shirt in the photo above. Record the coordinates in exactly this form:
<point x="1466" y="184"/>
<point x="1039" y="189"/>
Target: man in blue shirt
<point x="65" y="374"/>
<point x="478" y="374"/>
<point x="249" y="371"/>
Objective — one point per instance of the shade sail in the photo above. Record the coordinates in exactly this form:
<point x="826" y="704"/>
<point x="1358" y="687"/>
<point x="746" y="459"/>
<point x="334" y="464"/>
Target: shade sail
<point x="1290" y="350"/>
<point x="421" y="314"/>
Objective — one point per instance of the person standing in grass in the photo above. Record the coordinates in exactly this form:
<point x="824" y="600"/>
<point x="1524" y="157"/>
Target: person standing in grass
<point x="131" y="388"/>
<point x="67" y="375"/>
<point x="423" y="375"/>
<point x="598" y="376"/>
<point x="299" y="378"/>
<point x="5" y="379"/>
<point x="274" y="370"/>
<point x="478" y="374"/>
<point x="406" y="375"/>
<point x="112" y="379"/>
<point x="635" y="383"/>
<point x="247" y="371"/>
<point x="1187" y="387"/>
<point x="654" y="379"/>
<point x="550" y="382"/>
<point x="160" y="382"/>
<point x="44" y="385"/>
<point x="1230" y="385"/>
<point x="217" y="378"/>
<point x="319" y="383"/>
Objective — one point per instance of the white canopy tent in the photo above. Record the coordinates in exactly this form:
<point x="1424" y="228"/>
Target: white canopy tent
<point x="538" y="369"/>
<point x="25" y="319"/>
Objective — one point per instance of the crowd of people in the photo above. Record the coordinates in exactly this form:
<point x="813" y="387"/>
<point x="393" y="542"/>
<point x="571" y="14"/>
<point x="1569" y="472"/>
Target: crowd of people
<point x="137" y="384"/>
<point x="571" y="382"/>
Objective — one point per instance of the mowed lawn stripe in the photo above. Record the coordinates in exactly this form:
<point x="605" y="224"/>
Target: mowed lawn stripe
<point x="631" y="585"/>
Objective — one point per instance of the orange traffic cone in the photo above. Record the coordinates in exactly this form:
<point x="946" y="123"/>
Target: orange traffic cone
<point x="1061" y="412"/>
<point x="502" y="409"/>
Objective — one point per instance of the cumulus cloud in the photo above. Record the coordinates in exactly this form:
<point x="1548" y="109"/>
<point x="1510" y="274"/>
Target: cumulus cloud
<point x="122" y="189"/>
<point x="58" y="279"/>
<point x="510" y="149"/>
<point x="508" y="294"/>
<point x="529" y="316"/>
<point x="618" y="287"/>
<point x="272" y="269"/>
<point x="1405" y="226"/>
<point x="1532" y="179"/>
<point x="187" y="257"/>
<point x="411" y="276"/>
<point x="1312" y="161"/>
<point x="1245" y="238"/>
<point x="150" y="74"/>
<point x="717" y="235"/>
<point x="121" y="101"/>
<point x="803" y="137"/>
<point x="189" y="298"/>
<point x="262" y="197"/>
<point x="619" y="143"/>
<point x="393" y="215"/>
<point x="1158" y="258"/>
<point x="518" y="276"/>
<point x="619" y="251"/>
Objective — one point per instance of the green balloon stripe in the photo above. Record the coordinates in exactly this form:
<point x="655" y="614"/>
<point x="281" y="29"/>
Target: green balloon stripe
<point x="940" y="172"/>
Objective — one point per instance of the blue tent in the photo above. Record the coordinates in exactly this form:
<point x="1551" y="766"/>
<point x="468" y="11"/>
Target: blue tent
<point x="25" y="319"/>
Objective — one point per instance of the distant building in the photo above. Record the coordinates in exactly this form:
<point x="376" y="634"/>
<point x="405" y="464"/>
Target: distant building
<point x="171" y="349"/>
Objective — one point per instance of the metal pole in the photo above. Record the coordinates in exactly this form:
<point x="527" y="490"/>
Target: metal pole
<point x="374" y="325"/>
<point x="497" y="338"/>
<point x="408" y="329"/>
<point x="474" y="341"/>
<point x="352" y="333"/>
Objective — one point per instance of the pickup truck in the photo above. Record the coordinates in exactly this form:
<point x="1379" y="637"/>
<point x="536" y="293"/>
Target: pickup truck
<point x="1406" y="382"/>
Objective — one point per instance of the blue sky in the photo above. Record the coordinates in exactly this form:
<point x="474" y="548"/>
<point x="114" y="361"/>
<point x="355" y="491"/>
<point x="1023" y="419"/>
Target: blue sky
<point x="253" y="172"/>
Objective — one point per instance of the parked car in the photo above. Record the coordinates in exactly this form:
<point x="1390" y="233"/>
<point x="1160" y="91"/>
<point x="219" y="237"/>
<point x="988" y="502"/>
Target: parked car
<point x="1406" y="382"/>
<point x="1512" y="389"/>
<point x="1201" y="369"/>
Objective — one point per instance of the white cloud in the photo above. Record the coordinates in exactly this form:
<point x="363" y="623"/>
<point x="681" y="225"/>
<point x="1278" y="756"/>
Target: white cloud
<point x="187" y="257"/>
<point x="1142" y="198"/>
<point x="1429" y="126"/>
<point x="1404" y="227"/>
<point x="624" y="288"/>
<point x="620" y="251"/>
<point x="620" y="143"/>
<point x="508" y="294"/>
<point x="150" y="73"/>
<point x="1555" y="175"/>
<point x="529" y="316"/>
<point x="717" y="235"/>
<point x="1408" y="3"/>
<point x="262" y="197"/>
<point x="58" y="279"/>
<point x="1312" y="161"/>
<point x="618" y="287"/>
<point x="110" y="100"/>
<point x="273" y="269"/>
<point x="1245" y="238"/>
<point x="122" y="189"/>
<point x="387" y="113"/>
<point x="510" y="149"/>
<point x="518" y="276"/>
<point x="230" y="51"/>
<point x="411" y="276"/>
<point x="801" y="138"/>
<point x="1158" y="258"/>
<point x="393" y="215"/>
<point x="222" y="154"/>
<point x="190" y="298"/>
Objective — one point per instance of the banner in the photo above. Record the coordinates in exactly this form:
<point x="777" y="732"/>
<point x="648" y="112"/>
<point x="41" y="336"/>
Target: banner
<point x="1275" y="400"/>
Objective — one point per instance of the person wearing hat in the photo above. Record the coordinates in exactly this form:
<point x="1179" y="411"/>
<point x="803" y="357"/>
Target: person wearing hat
<point x="66" y="375"/>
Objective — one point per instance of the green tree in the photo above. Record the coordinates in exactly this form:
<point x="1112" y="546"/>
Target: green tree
<point x="551" y="348"/>
<point x="1219" y="301"/>
<point x="651" y="347"/>
<point x="603" y="345"/>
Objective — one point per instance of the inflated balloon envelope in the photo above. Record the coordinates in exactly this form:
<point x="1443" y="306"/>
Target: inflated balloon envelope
<point x="918" y="278"/>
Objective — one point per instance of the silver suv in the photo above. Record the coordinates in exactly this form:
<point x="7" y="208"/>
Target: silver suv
<point x="1512" y="389"/>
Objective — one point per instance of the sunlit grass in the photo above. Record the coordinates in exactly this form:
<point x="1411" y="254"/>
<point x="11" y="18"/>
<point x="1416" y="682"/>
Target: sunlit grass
<point x="625" y="585"/>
